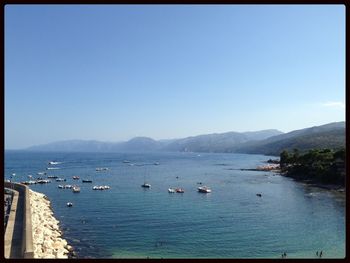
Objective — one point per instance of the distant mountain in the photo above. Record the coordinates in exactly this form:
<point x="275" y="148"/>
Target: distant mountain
<point x="202" y="143"/>
<point x="75" y="146"/>
<point x="217" y="142"/>
<point x="331" y="135"/>
<point x="269" y="142"/>
<point x="139" y="144"/>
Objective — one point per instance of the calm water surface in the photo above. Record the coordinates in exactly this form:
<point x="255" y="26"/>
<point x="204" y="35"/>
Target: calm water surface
<point x="128" y="221"/>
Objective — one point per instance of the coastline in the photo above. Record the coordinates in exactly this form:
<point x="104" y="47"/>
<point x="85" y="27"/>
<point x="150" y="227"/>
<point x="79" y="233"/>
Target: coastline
<point x="47" y="236"/>
<point x="275" y="168"/>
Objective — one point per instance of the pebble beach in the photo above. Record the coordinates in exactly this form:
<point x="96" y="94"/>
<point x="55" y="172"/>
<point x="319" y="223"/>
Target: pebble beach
<point x="47" y="236"/>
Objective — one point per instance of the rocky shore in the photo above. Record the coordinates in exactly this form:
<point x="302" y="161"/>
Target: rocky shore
<point x="47" y="237"/>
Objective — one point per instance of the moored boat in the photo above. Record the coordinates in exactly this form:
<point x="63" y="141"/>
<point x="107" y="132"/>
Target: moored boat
<point x="60" y="180"/>
<point x="76" y="189"/>
<point x="179" y="190"/>
<point x="76" y="177"/>
<point x="86" y="181"/>
<point x="145" y="185"/>
<point x="204" y="189"/>
<point x="69" y="204"/>
<point x="171" y="190"/>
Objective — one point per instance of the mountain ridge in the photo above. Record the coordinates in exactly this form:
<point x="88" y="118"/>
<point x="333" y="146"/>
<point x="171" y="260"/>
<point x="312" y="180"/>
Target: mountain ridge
<point x="269" y="142"/>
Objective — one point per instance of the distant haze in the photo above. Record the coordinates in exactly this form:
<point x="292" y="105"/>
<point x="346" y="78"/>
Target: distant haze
<point x="114" y="72"/>
<point x="269" y="142"/>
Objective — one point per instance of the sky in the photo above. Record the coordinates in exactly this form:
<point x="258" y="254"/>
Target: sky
<point x="113" y="72"/>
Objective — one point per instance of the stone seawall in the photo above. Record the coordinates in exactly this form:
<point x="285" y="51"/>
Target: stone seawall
<point x="47" y="237"/>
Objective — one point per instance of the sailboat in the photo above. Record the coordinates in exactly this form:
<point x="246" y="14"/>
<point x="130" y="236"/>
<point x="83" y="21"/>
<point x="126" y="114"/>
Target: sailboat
<point x="145" y="185"/>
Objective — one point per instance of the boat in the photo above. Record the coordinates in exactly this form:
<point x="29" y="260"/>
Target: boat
<point x="43" y="181"/>
<point x="54" y="163"/>
<point x="156" y="163"/>
<point x="13" y="174"/>
<point x="76" y="189"/>
<point x="68" y="186"/>
<point x="86" y="181"/>
<point x="41" y="173"/>
<point x="204" y="189"/>
<point x="171" y="190"/>
<point x="52" y="176"/>
<point x="145" y="185"/>
<point x="102" y="169"/>
<point x="52" y="168"/>
<point x="60" y="186"/>
<point x="100" y="187"/>
<point x="126" y="161"/>
<point x="69" y="204"/>
<point x="179" y="190"/>
<point x="76" y="177"/>
<point x="60" y="180"/>
<point x="258" y="195"/>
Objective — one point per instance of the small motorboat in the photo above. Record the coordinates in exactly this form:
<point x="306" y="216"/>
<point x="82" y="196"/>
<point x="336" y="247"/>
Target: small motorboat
<point x="102" y="169"/>
<point x="52" y="176"/>
<point x="54" y="163"/>
<point x="258" y="195"/>
<point x="179" y="190"/>
<point x="86" y="181"/>
<point x="156" y="163"/>
<point x="76" y="177"/>
<point x="60" y="180"/>
<point x="61" y="186"/>
<point x="69" y="204"/>
<point x="43" y="181"/>
<point x="41" y="173"/>
<point x="100" y="187"/>
<point x="76" y="189"/>
<point x="126" y="161"/>
<point x="68" y="186"/>
<point x="171" y="190"/>
<point x="204" y="189"/>
<point x="145" y="185"/>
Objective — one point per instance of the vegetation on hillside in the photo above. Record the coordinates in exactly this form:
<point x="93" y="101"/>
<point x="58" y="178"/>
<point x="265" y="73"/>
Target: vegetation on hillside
<point x="317" y="165"/>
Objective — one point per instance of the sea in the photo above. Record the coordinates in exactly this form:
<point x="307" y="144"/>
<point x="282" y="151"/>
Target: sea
<point x="129" y="221"/>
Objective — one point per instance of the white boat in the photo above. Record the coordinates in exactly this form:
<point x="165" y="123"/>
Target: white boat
<point x="204" y="189"/>
<point x="171" y="190"/>
<point x="68" y="186"/>
<point x="76" y="189"/>
<point x="69" y="204"/>
<point x="76" y="177"/>
<point x="60" y="180"/>
<point x="125" y="161"/>
<point x="52" y="168"/>
<point x="100" y="187"/>
<point x="145" y="185"/>
<point x="41" y="173"/>
<point x="60" y="186"/>
<point x="54" y="163"/>
<point x="43" y="181"/>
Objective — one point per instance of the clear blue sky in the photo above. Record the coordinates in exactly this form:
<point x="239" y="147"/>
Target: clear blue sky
<point x="109" y="72"/>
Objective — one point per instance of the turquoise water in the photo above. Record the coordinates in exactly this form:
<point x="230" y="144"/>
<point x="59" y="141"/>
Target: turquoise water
<point x="128" y="221"/>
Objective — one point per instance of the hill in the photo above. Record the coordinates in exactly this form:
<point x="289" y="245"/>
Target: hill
<point x="331" y="135"/>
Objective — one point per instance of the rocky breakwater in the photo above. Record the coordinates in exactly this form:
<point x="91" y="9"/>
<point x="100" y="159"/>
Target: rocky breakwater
<point x="47" y="237"/>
